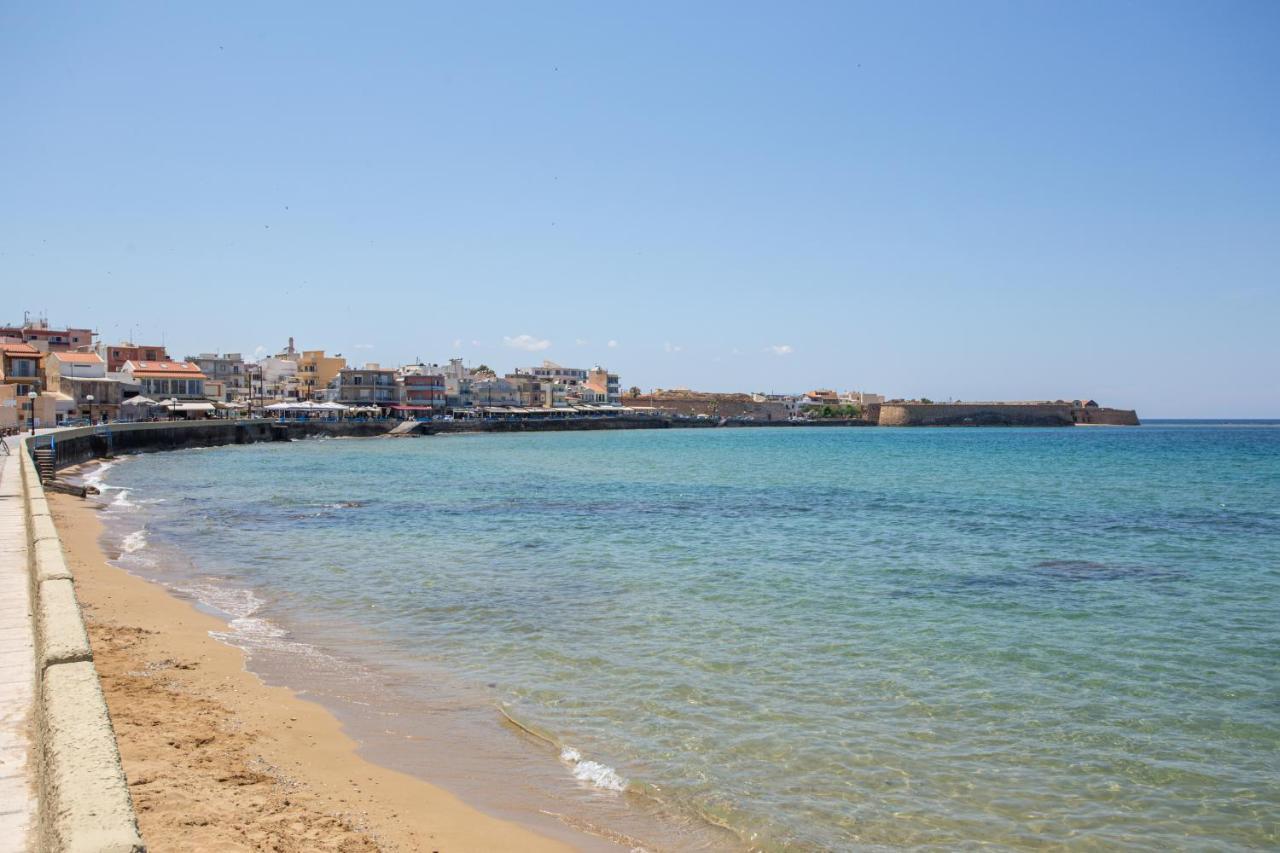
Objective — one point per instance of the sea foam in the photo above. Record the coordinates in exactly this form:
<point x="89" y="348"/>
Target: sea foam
<point x="134" y="542"/>
<point x="593" y="772"/>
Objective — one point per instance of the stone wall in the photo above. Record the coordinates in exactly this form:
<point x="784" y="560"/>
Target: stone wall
<point x="976" y="414"/>
<point x="1109" y="417"/>
<point x="1001" y="414"/>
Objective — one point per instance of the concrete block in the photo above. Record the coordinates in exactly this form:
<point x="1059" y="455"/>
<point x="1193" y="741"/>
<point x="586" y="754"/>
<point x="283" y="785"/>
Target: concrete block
<point x="61" y="637"/>
<point x="50" y="562"/>
<point x="37" y="505"/>
<point x="86" y="804"/>
<point x="42" y="527"/>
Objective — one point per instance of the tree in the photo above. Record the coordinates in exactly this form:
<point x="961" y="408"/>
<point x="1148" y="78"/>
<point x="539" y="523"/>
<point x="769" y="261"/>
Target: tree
<point x="484" y="370"/>
<point x="634" y="391"/>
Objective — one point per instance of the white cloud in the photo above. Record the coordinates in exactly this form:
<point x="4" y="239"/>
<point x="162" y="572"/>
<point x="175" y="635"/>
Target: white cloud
<point x="670" y="347"/>
<point x="528" y="343"/>
<point x="582" y="342"/>
<point x="475" y="343"/>
<point x="457" y="343"/>
<point x="780" y="349"/>
<point x="259" y="351"/>
<point x="364" y="346"/>
<point x="613" y="344"/>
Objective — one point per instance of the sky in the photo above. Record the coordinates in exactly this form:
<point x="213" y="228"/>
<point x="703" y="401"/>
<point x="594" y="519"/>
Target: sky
<point x="955" y="200"/>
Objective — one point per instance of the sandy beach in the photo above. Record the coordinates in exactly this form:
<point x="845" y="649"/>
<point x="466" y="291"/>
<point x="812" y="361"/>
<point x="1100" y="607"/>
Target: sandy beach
<point x="216" y="760"/>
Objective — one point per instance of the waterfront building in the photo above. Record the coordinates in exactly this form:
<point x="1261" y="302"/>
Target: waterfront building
<point x="37" y="334"/>
<point x="457" y="381"/>
<point x="277" y="378"/>
<point x="860" y="398"/>
<point x="530" y="390"/>
<point x="567" y="376"/>
<point x="161" y="380"/>
<point x="117" y="354"/>
<point x="821" y="397"/>
<point x="316" y="371"/>
<point x="81" y="375"/>
<point x="371" y="385"/>
<point x="422" y="393"/>
<point x="229" y="369"/>
<point x="20" y="366"/>
<point x="604" y="384"/>
<point x="495" y="391"/>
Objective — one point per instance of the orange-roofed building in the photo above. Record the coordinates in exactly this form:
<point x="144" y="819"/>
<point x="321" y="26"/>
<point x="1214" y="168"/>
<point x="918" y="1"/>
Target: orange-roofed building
<point x="20" y="369"/>
<point x="20" y="364"/>
<point x="161" y="380"/>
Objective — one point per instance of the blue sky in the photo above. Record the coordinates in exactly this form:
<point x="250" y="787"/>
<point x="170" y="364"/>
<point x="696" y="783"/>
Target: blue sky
<point x="958" y="200"/>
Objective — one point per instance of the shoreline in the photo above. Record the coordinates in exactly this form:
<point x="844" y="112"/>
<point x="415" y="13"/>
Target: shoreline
<point x="216" y="759"/>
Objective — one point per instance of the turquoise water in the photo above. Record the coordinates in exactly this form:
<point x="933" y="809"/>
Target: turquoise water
<point x="820" y="638"/>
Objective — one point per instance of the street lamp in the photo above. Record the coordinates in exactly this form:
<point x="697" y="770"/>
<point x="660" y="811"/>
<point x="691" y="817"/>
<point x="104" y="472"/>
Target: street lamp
<point x="89" y="399"/>
<point x="31" y="395"/>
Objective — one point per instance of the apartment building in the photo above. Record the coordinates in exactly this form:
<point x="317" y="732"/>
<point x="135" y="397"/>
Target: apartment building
<point x="567" y="376"/>
<point x="229" y="369"/>
<point x="605" y="385"/>
<point x="316" y="371"/>
<point x="371" y="385"/>
<point x="117" y="354"/>
<point x="423" y="393"/>
<point x="44" y="339"/>
<point x="82" y="376"/>
<point x="161" y="380"/>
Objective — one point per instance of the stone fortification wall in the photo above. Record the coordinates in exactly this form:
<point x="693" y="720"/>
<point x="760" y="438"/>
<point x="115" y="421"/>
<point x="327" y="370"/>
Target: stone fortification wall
<point x="1001" y="414"/>
<point x="976" y="414"/>
<point x="1109" y="417"/>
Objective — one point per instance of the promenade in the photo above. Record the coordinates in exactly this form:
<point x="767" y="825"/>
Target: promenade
<point x="17" y="665"/>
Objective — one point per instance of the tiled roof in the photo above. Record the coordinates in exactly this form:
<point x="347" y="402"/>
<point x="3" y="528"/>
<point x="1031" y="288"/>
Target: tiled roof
<point x="183" y="369"/>
<point x="79" y="357"/>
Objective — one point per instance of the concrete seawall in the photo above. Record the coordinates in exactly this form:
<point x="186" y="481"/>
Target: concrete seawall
<point x="83" y="798"/>
<point x="73" y="446"/>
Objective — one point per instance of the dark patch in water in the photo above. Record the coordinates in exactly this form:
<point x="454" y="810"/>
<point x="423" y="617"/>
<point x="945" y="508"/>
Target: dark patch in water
<point x="1087" y="570"/>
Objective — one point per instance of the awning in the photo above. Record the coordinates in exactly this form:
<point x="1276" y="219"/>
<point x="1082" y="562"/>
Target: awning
<point x="190" y="407"/>
<point x="399" y="408"/>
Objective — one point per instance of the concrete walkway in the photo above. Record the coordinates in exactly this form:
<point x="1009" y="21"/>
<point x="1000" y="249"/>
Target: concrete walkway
<point x="17" y="666"/>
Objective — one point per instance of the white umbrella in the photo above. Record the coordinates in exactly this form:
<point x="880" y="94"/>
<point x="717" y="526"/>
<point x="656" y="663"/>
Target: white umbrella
<point x="138" y="401"/>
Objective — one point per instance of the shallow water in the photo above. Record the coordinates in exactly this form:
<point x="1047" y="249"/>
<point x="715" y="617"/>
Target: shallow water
<point x="818" y="638"/>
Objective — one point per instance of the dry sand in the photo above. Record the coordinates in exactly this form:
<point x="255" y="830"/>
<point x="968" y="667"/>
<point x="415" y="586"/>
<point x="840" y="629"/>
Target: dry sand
<point x="216" y="760"/>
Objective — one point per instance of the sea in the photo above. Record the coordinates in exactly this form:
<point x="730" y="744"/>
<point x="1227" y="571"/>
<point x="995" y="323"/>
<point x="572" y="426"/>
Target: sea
<point x="765" y="639"/>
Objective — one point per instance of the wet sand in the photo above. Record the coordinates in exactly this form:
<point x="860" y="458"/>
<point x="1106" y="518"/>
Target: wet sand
<point x="216" y="760"/>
